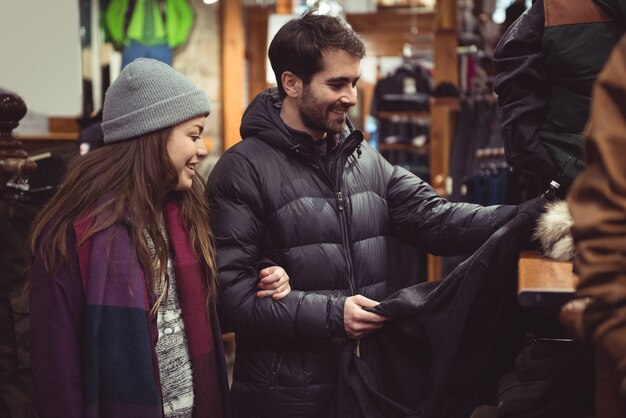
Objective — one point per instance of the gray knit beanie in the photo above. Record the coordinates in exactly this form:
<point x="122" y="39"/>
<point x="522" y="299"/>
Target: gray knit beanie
<point x="147" y="96"/>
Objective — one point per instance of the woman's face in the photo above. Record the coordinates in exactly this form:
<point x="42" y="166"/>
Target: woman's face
<point x="186" y="148"/>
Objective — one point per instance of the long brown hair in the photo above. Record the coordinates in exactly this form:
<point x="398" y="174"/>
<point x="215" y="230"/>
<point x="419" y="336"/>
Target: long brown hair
<point x="126" y="182"/>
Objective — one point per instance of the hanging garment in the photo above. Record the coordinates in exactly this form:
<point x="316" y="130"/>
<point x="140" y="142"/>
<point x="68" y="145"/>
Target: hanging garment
<point x="478" y="128"/>
<point x="148" y="28"/>
<point x="547" y="63"/>
<point x="462" y="148"/>
<point x="407" y="89"/>
<point x="149" y="23"/>
<point x="449" y="341"/>
<point x="551" y="379"/>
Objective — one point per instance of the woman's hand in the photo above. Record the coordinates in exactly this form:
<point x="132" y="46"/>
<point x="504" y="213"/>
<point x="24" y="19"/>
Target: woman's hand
<point x="274" y="282"/>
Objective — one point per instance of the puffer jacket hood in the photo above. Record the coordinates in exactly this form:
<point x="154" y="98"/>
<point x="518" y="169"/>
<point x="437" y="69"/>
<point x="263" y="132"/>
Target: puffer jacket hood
<point x="262" y="120"/>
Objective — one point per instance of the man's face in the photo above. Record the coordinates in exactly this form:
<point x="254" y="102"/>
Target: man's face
<point x="324" y="102"/>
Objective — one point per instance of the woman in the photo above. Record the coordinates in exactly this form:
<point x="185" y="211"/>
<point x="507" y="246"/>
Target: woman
<point x="123" y="282"/>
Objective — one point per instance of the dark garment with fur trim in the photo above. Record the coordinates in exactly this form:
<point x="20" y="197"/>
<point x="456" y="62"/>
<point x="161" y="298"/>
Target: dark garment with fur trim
<point x="450" y="341"/>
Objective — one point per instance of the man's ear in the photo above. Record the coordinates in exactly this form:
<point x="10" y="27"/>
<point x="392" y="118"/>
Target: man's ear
<point x="292" y="84"/>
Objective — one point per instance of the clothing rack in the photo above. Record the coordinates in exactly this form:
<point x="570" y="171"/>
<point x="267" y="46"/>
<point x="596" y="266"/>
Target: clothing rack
<point x="494" y="152"/>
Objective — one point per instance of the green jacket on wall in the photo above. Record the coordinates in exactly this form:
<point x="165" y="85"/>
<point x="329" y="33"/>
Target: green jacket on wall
<point x="151" y="22"/>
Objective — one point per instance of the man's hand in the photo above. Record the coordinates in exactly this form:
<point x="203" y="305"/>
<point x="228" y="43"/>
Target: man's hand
<point x="358" y="322"/>
<point x="274" y="282"/>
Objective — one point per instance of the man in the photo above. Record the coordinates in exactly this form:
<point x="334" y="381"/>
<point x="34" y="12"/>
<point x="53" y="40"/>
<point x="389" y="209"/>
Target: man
<point x="304" y="191"/>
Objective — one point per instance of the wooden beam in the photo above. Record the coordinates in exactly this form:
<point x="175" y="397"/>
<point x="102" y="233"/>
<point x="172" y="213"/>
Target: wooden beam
<point x="284" y="7"/>
<point x="233" y="74"/>
<point x="441" y="132"/>
<point x="446" y="15"/>
<point x="446" y="41"/>
<point x="256" y="49"/>
<point x="445" y="58"/>
<point x="433" y="267"/>
<point x="441" y="117"/>
<point x="442" y="122"/>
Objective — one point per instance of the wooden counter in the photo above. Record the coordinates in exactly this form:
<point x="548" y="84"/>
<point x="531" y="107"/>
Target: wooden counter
<point x="543" y="282"/>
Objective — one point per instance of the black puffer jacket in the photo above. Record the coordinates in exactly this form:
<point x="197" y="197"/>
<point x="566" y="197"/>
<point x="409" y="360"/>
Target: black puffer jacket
<point x="335" y="231"/>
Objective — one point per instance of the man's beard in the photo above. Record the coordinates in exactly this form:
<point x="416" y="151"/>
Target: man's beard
<point x="316" y="118"/>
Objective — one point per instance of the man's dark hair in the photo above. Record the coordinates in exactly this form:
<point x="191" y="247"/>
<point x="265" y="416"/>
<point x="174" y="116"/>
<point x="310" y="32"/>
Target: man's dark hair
<point x="298" y="45"/>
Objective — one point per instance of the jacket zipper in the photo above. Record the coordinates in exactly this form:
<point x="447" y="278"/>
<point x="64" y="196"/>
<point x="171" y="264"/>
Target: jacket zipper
<point x="278" y="359"/>
<point x="343" y="217"/>
<point x="345" y="238"/>
<point x="341" y="206"/>
<point x="343" y="221"/>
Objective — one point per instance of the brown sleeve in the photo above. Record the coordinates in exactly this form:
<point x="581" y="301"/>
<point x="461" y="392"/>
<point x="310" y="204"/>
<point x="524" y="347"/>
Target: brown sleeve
<point x="598" y="204"/>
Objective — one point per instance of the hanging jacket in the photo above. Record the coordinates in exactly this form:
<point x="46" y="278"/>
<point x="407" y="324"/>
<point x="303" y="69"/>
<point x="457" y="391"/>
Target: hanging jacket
<point x="448" y="340"/>
<point x="147" y="23"/>
<point x="546" y="63"/>
<point x="338" y="228"/>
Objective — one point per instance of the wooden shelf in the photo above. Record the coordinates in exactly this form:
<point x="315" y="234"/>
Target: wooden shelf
<point x="53" y="136"/>
<point x="385" y="32"/>
<point x="420" y="114"/>
<point x="34" y="143"/>
<point x="539" y="272"/>
<point x="544" y="282"/>
<point x="423" y="150"/>
<point x="450" y="102"/>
